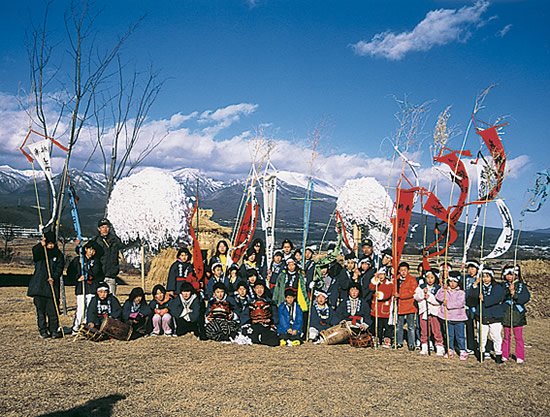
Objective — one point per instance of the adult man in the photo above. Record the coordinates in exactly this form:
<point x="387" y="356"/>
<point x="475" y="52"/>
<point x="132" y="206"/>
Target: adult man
<point x="109" y="249"/>
<point x="368" y="253"/>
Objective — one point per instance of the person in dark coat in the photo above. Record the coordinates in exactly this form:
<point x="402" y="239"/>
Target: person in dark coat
<point x="277" y="266"/>
<point x="87" y="271"/>
<point x="221" y="256"/>
<point x="329" y="284"/>
<point x="516" y="295"/>
<point x="217" y="277"/>
<point x="46" y="256"/>
<point x="263" y="317"/>
<point x="261" y="258"/>
<point x="109" y="247"/>
<point x="186" y="310"/>
<point x="137" y="312"/>
<point x="249" y="264"/>
<point x="309" y="266"/>
<point x="102" y="305"/>
<point x="181" y="271"/>
<point x="322" y="316"/>
<point x="367" y="252"/>
<point x="221" y="324"/>
<point x="354" y="309"/>
<point x="242" y="300"/>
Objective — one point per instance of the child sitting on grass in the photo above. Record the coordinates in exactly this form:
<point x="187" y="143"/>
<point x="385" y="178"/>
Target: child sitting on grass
<point x="137" y="312"/>
<point x="290" y="320"/>
<point x="159" y="306"/>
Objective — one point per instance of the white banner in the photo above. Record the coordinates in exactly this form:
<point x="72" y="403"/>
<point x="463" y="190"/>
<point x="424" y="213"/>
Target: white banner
<point x="506" y="236"/>
<point x="269" y="191"/>
<point x="41" y="153"/>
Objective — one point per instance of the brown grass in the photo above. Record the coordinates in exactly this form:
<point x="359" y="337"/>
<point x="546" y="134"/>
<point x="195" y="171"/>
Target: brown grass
<point x="182" y="376"/>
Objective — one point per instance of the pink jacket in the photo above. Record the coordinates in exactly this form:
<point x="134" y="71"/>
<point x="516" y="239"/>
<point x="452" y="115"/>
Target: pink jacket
<point x="433" y="304"/>
<point x="455" y="304"/>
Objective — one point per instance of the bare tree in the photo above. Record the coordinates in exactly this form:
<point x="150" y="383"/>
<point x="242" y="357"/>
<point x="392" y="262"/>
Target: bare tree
<point x="8" y="233"/>
<point x="84" y="92"/>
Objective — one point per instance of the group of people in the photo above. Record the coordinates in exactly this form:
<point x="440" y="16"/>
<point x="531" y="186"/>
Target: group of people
<point x="294" y="298"/>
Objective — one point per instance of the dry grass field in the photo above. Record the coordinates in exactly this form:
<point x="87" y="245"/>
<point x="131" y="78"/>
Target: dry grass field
<point x="184" y="377"/>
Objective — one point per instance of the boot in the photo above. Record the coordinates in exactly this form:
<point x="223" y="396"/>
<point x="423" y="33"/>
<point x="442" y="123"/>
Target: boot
<point x="498" y="359"/>
<point x="424" y="350"/>
<point x="440" y="350"/>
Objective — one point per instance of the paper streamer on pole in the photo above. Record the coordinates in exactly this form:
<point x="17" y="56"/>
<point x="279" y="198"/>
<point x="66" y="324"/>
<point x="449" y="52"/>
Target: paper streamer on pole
<point x="41" y="153"/>
<point x="540" y="193"/>
<point x="506" y="236"/>
<point x="494" y="144"/>
<point x="269" y="191"/>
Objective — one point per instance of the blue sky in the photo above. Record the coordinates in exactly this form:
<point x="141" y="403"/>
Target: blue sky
<point x="232" y="66"/>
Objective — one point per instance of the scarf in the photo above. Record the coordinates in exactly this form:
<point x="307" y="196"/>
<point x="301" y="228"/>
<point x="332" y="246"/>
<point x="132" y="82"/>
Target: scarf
<point x="353" y="306"/>
<point x="186" y="304"/>
<point x="291" y="312"/>
<point x="104" y="307"/>
<point x="323" y="313"/>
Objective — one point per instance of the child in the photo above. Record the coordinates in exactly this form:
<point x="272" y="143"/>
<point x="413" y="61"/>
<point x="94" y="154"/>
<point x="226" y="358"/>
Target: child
<point x="290" y="320"/>
<point x="221" y="256"/>
<point x="221" y="323"/>
<point x="298" y="258"/>
<point x="249" y="264"/>
<point x="406" y="287"/>
<point x="162" y="317"/>
<point x="491" y="296"/>
<point x="472" y="270"/>
<point x="181" y="271"/>
<point x="102" y="305"/>
<point x="287" y="249"/>
<point x="232" y="278"/>
<point x="242" y="300"/>
<point x="354" y="309"/>
<point x="137" y="312"/>
<point x="46" y="255"/>
<point x="261" y="258"/>
<point x="382" y="286"/>
<point x="516" y="295"/>
<point x="88" y="272"/>
<point x="330" y="285"/>
<point x="277" y="267"/>
<point x="263" y="318"/>
<point x="322" y="316"/>
<point x="217" y="277"/>
<point x="186" y="310"/>
<point x="309" y="266"/>
<point x="453" y="300"/>
<point x="288" y="279"/>
<point x="428" y="310"/>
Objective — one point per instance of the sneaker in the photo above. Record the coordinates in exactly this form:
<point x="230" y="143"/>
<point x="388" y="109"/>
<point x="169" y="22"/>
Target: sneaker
<point x="411" y="348"/>
<point x="417" y="345"/>
<point x="450" y="355"/>
<point x="432" y="346"/>
<point x="282" y="342"/>
<point x="157" y="334"/>
<point x="440" y="351"/>
<point x="424" y="350"/>
<point x="469" y="351"/>
<point x="487" y="355"/>
<point x="56" y="335"/>
<point x="175" y="335"/>
<point x="518" y="360"/>
<point x="296" y="342"/>
<point x="165" y="334"/>
<point x="463" y="355"/>
<point x="44" y="334"/>
<point x="498" y="359"/>
<point x="399" y="346"/>
<point x="504" y="359"/>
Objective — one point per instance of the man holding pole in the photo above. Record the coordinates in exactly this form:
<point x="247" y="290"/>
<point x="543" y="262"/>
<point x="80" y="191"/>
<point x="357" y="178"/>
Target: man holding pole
<point x="109" y="248"/>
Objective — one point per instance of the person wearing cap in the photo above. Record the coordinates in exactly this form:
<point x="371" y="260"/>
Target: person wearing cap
<point x="102" y="305"/>
<point x="186" y="310"/>
<point x="452" y="300"/>
<point x="516" y="295"/>
<point x="290" y="320"/>
<point x="181" y="271"/>
<point x="46" y="255"/>
<point x="491" y="295"/>
<point x="382" y="287"/>
<point x="108" y="247"/>
<point x="322" y="316"/>
<point x="386" y="262"/>
<point x="277" y="266"/>
<point x="353" y="309"/>
<point x="217" y="277"/>
<point x="87" y="271"/>
<point x="472" y="270"/>
<point x="406" y="309"/>
<point x="428" y="312"/>
<point x="367" y="252"/>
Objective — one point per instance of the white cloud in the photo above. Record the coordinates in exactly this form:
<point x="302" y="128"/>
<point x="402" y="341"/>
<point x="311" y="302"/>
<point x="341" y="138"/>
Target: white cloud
<point x="504" y="30"/>
<point x="439" y="27"/>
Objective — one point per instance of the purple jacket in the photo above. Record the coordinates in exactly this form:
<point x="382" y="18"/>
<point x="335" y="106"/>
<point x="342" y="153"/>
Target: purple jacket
<point x="455" y="304"/>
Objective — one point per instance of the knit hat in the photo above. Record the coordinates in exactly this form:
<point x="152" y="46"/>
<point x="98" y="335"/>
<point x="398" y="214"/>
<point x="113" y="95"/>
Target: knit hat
<point x="50" y="237"/>
<point x="104" y="222"/>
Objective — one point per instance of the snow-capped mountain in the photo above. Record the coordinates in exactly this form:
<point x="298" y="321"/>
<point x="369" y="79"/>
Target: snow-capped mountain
<point x="11" y="179"/>
<point x="188" y="178"/>
<point x="301" y="180"/>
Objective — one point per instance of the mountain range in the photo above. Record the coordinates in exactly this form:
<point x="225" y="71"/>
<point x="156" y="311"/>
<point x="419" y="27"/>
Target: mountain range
<point x="18" y="206"/>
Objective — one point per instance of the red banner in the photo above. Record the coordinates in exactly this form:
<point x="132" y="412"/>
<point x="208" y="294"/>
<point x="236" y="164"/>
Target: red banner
<point x="494" y="144"/>
<point x="401" y="221"/>
<point x="246" y="231"/>
<point x="198" y="262"/>
<point x="435" y="208"/>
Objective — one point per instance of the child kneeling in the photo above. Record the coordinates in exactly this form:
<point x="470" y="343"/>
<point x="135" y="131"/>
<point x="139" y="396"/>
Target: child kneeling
<point x="290" y="320"/>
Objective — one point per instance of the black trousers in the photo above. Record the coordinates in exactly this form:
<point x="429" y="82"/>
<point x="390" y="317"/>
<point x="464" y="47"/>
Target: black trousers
<point x="46" y="314"/>
<point x="264" y="335"/>
<point x="184" y="327"/>
<point x="384" y="329"/>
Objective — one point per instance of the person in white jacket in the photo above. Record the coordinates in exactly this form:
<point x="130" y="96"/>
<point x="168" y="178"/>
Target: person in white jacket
<point x="428" y="308"/>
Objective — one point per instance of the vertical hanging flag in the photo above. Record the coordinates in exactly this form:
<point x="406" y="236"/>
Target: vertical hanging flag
<point x="269" y="191"/>
<point x="494" y="144"/>
<point x="506" y="236"/>
<point x="401" y="221"/>
<point x="247" y="227"/>
<point x="540" y="193"/>
<point x="198" y="262"/>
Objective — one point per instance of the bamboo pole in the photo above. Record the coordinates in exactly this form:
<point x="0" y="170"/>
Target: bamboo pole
<point x="143" y="266"/>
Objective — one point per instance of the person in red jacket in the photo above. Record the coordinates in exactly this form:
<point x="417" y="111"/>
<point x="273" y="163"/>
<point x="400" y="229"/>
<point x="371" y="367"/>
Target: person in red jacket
<point x="406" y="309"/>
<point x="382" y="287"/>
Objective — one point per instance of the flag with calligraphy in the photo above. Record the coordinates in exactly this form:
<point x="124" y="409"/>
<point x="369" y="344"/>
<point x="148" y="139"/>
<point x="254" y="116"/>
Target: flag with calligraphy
<point x="506" y="236"/>
<point x="494" y="144"/>
<point x="401" y="221"/>
<point x="539" y="193"/>
<point x="198" y="262"/>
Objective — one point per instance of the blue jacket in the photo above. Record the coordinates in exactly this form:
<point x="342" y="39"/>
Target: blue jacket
<point x="212" y="281"/>
<point x="493" y="296"/>
<point x="285" y="319"/>
<point x="175" y="306"/>
<point x="327" y="320"/>
<point x="144" y="310"/>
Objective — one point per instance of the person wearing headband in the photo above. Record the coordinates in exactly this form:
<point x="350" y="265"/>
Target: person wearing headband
<point x="102" y="305"/>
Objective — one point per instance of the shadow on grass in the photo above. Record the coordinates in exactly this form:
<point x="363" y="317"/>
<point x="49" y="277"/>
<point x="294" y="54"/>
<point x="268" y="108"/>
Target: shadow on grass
<point x="100" y="407"/>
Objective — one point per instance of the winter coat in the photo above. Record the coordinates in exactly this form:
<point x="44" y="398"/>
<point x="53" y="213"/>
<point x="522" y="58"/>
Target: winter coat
<point x="110" y="246"/>
<point x="93" y="273"/>
<point x="322" y="319"/>
<point x="309" y="271"/>
<point x="213" y="281"/>
<point x="432" y="303"/>
<point x="225" y="260"/>
<point x="276" y="269"/>
<point x="179" y="273"/>
<point x="241" y="308"/>
<point x="343" y="312"/>
<point x="286" y="322"/>
<point x="39" y="285"/>
<point x="456" y="300"/>
<point x="493" y="296"/>
<point x="98" y="310"/>
<point x="143" y="309"/>
<point x="385" y="293"/>
<point x="177" y="304"/>
<point x="406" y="289"/>
<point x="515" y="317"/>
<point x="154" y="304"/>
<point x="332" y="288"/>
